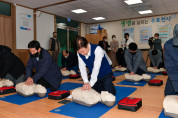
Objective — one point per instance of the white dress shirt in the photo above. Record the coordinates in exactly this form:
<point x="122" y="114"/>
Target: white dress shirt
<point x="99" y="54"/>
<point x="130" y="40"/>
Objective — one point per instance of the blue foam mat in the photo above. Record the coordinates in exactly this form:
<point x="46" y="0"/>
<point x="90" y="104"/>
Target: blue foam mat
<point x="140" y="83"/>
<point x="154" y="74"/>
<point x="162" y="115"/>
<point x="79" y="111"/>
<point x="117" y="73"/>
<point x="20" y="100"/>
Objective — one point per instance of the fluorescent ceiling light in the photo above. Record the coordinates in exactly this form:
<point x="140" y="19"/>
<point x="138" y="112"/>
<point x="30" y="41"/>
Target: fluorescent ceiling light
<point x="78" y="11"/>
<point x="145" y="12"/>
<point x="61" y="24"/>
<point x="98" y="18"/>
<point x="131" y="2"/>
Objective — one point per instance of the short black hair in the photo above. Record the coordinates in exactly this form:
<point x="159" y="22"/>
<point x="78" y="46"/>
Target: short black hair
<point x="34" y="44"/>
<point x="133" y="46"/>
<point x="126" y="34"/>
<point x="66" y="51"/>
<point x="120" y="50"/>
<point x="81" y="42"/>
<point x="154" y="52"/>
<point x="157" y="34"/>
<point x="104" y="37"/>
<point x="54" y="32"/>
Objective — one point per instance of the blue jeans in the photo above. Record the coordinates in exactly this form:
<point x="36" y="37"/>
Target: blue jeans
<point x="169" y="90"/>
<point x="74" y="68"/>
<point x="15" y="81"/>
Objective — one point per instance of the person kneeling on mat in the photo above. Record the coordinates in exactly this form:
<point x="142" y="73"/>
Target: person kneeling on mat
<point x="171" y="63"/>
<point x="69" y="61"/>
<point x="47" y="73"/>
<point x="134" y="60"/>
<point x="95" y="59"/>
<point x="11" y="67"/>
<point x="156" y="59"/>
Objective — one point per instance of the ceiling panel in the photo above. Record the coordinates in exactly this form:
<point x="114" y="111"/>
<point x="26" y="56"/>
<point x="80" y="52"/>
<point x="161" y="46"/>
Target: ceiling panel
<point x="34" y="3"/>
<point x="111" y="9"/>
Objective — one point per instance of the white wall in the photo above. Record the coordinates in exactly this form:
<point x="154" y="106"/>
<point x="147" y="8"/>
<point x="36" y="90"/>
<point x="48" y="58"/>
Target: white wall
<point x="83" y="29"/>
<point x="45" y="28"/>
<point x="115" y="28"/>
<point x="23" y="37"/>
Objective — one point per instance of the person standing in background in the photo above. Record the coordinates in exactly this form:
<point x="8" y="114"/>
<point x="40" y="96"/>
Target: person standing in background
<point x="127" y="41"/>
<point x="114" y="46"/>
<point x="157" y="42"/>
<point x="104" y="44"/>
<point x="54" y="47"/>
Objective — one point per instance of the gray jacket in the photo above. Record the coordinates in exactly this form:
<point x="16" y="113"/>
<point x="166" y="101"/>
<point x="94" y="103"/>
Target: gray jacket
<point x="157" y="59"/>
<point x="138" y="61"/>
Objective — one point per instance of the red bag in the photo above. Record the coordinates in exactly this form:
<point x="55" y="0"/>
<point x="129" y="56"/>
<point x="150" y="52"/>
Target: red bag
<point x="164" y="73"/>
<point x="113" y="78"/>
<point x="76" y="76"/>
<point x="155" y="82"/>
<point x="6" y="90"/>
<point x="58" y="95"/>
<point x="131" y="104"/>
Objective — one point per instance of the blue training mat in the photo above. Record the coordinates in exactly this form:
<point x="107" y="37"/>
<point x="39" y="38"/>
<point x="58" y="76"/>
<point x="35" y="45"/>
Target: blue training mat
<point x="20" y="100"/>
<point x="140" y="83"/>
<point x="117" y="73"/>
<point x="79" y="111"/>
<point x="162" y="115"/>
<point x="154" y="74"/>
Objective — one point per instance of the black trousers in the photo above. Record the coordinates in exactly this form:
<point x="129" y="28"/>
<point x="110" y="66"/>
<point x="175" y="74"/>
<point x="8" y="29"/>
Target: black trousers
<point x="161" y="65"/>
<point x="105" y="84"/>
<point x="44" y="83"/>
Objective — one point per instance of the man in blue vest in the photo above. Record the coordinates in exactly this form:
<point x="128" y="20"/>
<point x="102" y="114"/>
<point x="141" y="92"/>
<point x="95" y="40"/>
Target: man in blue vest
<point x="47" y="72"/>
<point x="96" y="60"/>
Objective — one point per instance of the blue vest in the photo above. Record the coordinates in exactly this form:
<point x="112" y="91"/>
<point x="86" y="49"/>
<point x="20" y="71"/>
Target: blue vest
<point x="105" y="68"/>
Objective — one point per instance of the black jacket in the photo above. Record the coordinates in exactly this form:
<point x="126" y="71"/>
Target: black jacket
<point x="10" y="63"/>
<point x="45" y="68"/>
<point x="120" y="57"/>
<point x="102" y="46"/>
<point x="70" y="61"/>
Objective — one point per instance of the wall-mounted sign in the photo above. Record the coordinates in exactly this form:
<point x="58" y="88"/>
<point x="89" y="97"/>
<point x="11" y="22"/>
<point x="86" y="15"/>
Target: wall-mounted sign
<point x="25" y="21"/>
